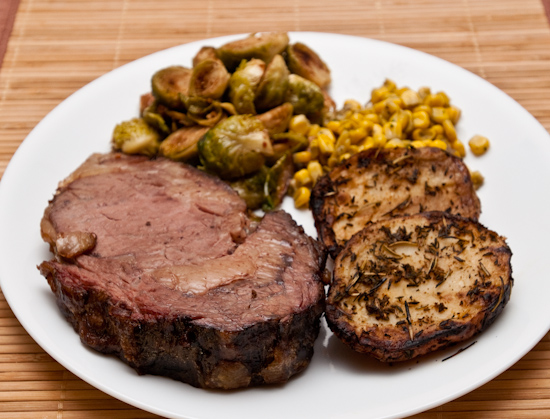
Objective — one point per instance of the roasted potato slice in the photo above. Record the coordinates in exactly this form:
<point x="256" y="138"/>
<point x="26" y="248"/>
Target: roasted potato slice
<point x="410" y="285"/>
<point x="382" y="183"/>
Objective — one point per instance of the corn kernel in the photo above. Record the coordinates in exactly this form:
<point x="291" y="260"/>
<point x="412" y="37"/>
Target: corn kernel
<point x="327" y="132"/>
<point x="477" y="179"/>
<point x="334" y="126"/>
<point x="313" y="130"/>
<point x="454" y="114"/>
<point x="434" y="100"/>
<point x="390" y="85"/>
<point x="326" y="144"/>
<point x="352" y="105"/>
<point x="379" y="94"/>
<point x="299" y="124"/>
<point x="421" y="119"/>
<point x="438" y="129"/>
<point x="315" y="170"/>
<point x="439" y="144"/>
<point x="392" y="129"/>
<point x="439" y="114"/>
<point x="395" y="143"/>
<point x="423" y="134"/>
<point x="357" y="134"/>
<point x="478" y="144"/>
<point x="302" y="178"/>
<point x="372" y="117"/>
<point x="302" y="157"/>
<point x="344" y="156"/>
<point x="410" y="98"/>
<point x="419" y="143"/>
<point x="423" y="92"/>
<point x="450" y="131"/>
<point x="458" y="146"/>
<point x="444" y="98"/>
<point x="301" y="197"/>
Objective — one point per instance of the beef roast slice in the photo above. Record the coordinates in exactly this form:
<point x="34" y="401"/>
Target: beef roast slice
<point x="159" y="264"/>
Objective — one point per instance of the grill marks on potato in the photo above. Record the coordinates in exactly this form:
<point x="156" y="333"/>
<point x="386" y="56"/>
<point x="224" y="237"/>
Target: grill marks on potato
<point x="379" y="184"/>
<point x="412" y="284"/>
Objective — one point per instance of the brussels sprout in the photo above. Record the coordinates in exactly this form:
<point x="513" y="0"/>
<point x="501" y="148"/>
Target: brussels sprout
<point x="136" y="137"/>
<point x="263" y="46"/>
<point x="235" y="147"/>
<point x="181" y="145"/>
<point x="204" y="54"/>
<point x="267" y="187"/>
<point x="304" y="95"/>
<point x="243" y="83"/>
<point x="277" y="119"/>
<point x="274" y="84"/>
<point x="305" y="62"/>
<point x="167" y="85"/>
<point x="209" y="79"/>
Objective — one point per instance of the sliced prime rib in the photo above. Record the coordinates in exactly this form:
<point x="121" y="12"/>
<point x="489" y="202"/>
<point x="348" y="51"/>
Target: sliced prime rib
<point x="160" y="264"/>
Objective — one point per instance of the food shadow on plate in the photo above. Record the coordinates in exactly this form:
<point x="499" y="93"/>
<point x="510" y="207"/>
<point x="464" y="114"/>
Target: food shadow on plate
<point x="342" y="358"/>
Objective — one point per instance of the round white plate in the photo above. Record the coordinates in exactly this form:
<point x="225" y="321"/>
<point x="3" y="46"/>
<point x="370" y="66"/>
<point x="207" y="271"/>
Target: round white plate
<point x="338" y="383"/>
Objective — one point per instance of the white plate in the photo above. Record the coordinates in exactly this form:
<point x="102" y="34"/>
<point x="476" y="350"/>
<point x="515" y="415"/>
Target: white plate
<point x="338" y="383"/>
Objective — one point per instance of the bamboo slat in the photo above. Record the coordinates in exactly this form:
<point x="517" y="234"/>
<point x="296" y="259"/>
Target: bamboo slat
<point x="58" y="46"/>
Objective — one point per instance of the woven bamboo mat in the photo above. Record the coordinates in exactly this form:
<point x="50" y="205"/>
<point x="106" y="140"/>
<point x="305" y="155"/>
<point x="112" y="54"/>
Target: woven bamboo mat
<point x="57" y="46"/>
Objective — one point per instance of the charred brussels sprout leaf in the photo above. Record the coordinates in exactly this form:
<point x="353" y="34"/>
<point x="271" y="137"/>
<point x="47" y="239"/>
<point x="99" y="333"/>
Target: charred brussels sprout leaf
<point x="181" y="145"/>
<point x="167" y="85"/>
<point x="203" y="111"/>
<point x="266" y="188"/>
<point x="243" y="83"/>
<point x="304" y="95"/>
<point x="263" y="46"/>
<point x="277" y="119"/>
<point x="278" y="179"/>
<point x="136" y="137"/>
<point x="252" y="188"/>
<point x="153" y="116"/>
<point x="204" y="53"/>
<point x="274" y="84"/>
<point x="305" y="62"/>
<point x="209" y="79"/>
<point x="235" y="147"/>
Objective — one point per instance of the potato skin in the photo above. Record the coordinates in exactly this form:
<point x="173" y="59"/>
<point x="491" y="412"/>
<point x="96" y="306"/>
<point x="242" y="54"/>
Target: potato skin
<point x="390" y="341"/>
<point x="400" y="182"/>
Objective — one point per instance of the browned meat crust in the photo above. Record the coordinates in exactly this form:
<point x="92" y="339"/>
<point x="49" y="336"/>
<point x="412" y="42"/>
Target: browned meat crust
<point x="159" y="264"/>
<point x="410" y="285"/>
<point x="378" y="184"/>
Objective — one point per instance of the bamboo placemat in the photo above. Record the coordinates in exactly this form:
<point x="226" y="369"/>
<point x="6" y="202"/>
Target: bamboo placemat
<point x="57" y="46"/>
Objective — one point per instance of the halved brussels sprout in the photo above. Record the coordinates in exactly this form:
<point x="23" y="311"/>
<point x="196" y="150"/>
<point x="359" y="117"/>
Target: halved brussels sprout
<point x="235" y="147"/>
<point x="209" y="79"/>
<point x="305" y="62"/>
<point x="181" y="145"/>
<point x="204" y="53"/>
<point x="277" y="119"/>
<point x="304" y="95"/>
<point x="167" y="85"/>
<point x="136" y="137"/>
<point x="263" y="46"/>
<point x="243" y="84"/>
<point x="266" y="188"/>
<point x="274" y="84"/>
